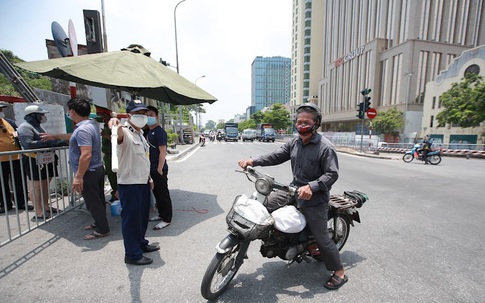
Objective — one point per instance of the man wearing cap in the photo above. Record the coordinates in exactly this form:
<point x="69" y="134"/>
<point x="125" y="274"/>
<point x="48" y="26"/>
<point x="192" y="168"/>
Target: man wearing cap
<point x="8" y="142"/>
<point x="134" y="183"/>
<point x="41" y="174"/>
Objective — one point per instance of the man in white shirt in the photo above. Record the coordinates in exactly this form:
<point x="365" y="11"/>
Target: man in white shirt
<point x="134" y="183"/>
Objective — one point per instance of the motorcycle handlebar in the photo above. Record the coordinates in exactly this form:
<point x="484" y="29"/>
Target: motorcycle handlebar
<point x="292" y="190"/>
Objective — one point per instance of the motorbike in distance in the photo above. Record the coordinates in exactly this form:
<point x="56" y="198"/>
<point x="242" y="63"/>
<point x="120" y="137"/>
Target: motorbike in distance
<point x="202" y="140"/>
<point x="283" y="233"/>
<point x="434" y="156"/>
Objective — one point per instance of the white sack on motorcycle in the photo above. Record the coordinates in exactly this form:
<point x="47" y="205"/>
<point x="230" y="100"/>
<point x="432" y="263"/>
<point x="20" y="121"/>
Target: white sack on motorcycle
<point x="249" y="217"/>
<point x="288" y="219"/>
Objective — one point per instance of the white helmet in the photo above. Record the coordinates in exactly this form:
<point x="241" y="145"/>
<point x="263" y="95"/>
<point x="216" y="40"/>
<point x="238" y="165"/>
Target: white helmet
<point x="31" y="109"/>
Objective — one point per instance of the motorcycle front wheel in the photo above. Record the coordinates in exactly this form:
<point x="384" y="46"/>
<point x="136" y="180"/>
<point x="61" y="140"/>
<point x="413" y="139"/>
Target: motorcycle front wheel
<point x="220" y="273"/>
<point x="434" y="159"/>
<point x="338" y="232"/>
<point x="407" y="158"/>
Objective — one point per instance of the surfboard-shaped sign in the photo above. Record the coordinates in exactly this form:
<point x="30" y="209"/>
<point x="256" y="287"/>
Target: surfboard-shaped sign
<point x="72" y="38"/>
<point x="60" y="38"/>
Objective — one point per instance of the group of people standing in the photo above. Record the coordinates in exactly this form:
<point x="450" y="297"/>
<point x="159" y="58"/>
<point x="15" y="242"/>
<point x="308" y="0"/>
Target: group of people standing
<point x="27" y="136"/>
<point x="143" y="170"/>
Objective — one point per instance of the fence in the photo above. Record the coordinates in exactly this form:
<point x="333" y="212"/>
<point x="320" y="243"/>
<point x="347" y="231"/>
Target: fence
<point x="15" y="180"/>
<point x="349" y="140"/>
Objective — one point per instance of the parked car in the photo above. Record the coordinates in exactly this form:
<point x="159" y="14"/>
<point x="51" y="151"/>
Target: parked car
<point x="248" y="135"/>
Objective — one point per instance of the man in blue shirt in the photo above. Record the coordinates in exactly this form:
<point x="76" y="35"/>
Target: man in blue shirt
<point x="157" y="138"/>
<point x="87" y="165"/>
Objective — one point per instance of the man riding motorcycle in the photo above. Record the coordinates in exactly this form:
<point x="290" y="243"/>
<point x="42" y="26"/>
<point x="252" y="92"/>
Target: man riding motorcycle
<point x="315" y="169"/>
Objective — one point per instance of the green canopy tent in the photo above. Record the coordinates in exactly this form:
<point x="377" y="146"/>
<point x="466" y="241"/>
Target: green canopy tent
<point x="127" y="70"/>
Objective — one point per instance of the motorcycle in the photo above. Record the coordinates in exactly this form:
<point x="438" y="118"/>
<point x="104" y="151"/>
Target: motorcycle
<point x="220" y="137"/>
<point x="283" y="233"/>
<point x="434" y="156"/>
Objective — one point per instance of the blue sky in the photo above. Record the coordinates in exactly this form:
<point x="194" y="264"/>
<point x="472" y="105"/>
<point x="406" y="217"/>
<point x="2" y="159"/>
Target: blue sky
<point x="216" y="38"/>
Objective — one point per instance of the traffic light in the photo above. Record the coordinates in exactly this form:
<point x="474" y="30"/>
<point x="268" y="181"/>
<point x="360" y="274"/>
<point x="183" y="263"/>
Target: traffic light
<point x="366" y="103"/>
<point x="361" y="111"/>
<point x="366" y="91"/>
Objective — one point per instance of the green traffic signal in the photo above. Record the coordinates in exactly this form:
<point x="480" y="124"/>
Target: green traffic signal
<point x="366" y="91"/>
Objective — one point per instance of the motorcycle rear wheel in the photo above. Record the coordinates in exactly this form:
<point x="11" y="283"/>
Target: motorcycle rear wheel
<point x="434" y="159"/>
<point x="220" y="273"/>
<point x="342" y="231"/>
<point x="407" y="158"/>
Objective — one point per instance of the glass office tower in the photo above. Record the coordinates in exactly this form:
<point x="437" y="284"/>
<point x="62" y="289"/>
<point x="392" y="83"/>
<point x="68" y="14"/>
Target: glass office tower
<point x="270" y="81"/>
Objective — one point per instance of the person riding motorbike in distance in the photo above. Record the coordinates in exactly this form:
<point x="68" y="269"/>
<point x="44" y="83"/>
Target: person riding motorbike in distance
<point x="315" y="167"/>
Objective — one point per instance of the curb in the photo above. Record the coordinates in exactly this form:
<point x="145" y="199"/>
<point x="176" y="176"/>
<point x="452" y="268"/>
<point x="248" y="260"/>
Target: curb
<point x="181" y="153"/>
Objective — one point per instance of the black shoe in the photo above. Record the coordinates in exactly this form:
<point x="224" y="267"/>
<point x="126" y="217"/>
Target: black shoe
<point x="150" y="248"/>
<point x="2" y="209"/>
<point x="29" y="207"/>
<point x="142" y="261"/>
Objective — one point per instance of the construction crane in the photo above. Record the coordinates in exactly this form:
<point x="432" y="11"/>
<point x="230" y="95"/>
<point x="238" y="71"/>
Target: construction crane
<point x="17" y="81"/>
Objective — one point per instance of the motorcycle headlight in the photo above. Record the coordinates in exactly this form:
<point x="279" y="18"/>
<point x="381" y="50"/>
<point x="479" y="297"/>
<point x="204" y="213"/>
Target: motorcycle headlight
<point x="264" y="186"/>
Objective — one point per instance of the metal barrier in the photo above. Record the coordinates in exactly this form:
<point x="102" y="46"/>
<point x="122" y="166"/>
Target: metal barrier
<point x="17" y="221"/>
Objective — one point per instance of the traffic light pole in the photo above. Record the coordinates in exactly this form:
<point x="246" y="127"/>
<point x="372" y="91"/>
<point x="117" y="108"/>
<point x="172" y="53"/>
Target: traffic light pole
<point x="362" y="136"/>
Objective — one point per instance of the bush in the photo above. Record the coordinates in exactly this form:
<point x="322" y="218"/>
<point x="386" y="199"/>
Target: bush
<point x="172" y="138"/>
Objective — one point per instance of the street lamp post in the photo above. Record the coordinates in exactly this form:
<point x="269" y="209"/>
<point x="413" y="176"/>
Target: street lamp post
<point x="197" y="113"/>
<point x="409" y="75"/>
<point x="177" y="62"/>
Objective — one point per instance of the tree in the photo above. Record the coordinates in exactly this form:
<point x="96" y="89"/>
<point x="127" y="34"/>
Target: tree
<point x="389" y="122"/>
<point x="220" y="125"/>
<point x="464" y="103"/>
<point x="278" y="116"/>
<point x="210" y="124"/>
<point x="246" y="124"/>
<point x="32" y="79"/>
<point x="258" y="117"/>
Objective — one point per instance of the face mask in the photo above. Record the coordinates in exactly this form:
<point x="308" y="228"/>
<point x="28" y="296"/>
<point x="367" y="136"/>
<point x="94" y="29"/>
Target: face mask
<point x="304" y="129"/>
<point x="43" y="119"/>
<point x="151" y="121"/>
<point x="2" y="115"/>
<point x="139" y="120"/>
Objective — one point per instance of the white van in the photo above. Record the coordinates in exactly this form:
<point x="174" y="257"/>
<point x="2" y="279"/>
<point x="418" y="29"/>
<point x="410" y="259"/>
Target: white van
<point x="248" y="134"/>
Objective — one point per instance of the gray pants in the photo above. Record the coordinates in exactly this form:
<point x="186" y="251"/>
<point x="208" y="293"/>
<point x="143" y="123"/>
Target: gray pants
<point x="316" y="217"/>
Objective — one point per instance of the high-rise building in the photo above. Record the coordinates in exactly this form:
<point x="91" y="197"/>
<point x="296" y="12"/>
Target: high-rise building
<point x="306" y="51"/>
<point x="392" y="47"/>
<point x="270" y="77"/>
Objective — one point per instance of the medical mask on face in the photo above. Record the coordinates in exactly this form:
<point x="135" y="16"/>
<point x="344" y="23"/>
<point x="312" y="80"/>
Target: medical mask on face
<point x="151" y="121"/>
<point x="139" y="120"/>
<point x="2" y="115"/>
<point x="43" y="119"/>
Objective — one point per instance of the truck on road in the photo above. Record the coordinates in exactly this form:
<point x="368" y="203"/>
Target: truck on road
<point x="265" y="132"/>
<point x="231" y="132"/>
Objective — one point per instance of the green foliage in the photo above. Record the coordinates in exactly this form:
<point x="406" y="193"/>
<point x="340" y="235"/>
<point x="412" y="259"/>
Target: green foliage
<point x="464" y="103"/>
<point x="278" y="116"/>
<point x="258" y="117"/>
<point x="210" y="125"/>
<point x="32" y="79"/>
<point x="246" y="124"/>
<point x="220" y="125"/>
<point x="172" y="137"/>
<point x="389" y="122"/>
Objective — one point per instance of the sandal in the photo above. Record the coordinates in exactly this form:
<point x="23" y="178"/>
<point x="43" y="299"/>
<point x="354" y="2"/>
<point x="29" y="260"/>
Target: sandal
<point x="335" y="282"/>
<point x="94" y="235"/>
<point x="53" y="210"/>
<point x="90" y="227"/>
